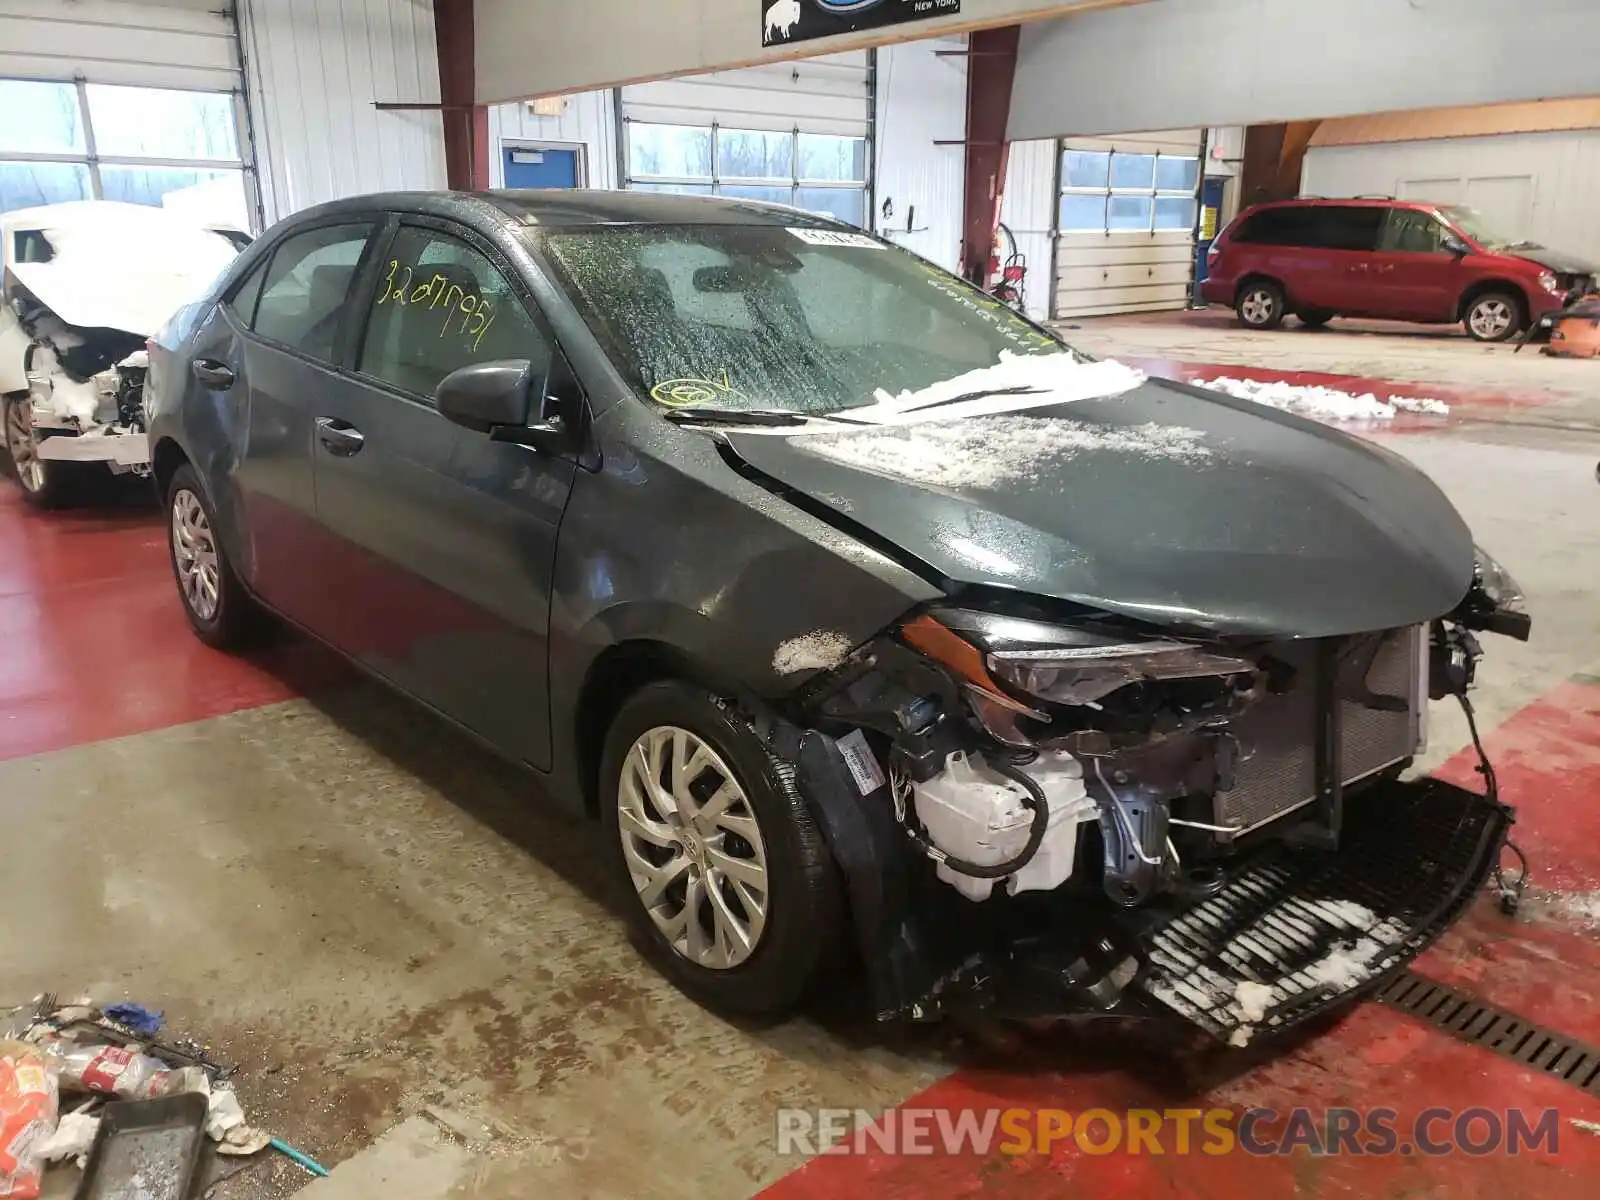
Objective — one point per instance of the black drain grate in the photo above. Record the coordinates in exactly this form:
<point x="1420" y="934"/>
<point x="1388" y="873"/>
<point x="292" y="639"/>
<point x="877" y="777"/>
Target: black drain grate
<point x="1471" y="1020"/>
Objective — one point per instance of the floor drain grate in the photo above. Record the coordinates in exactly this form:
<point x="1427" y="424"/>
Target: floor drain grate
<point x="1471" y="1020"/>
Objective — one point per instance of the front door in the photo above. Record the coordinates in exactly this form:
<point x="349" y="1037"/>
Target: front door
<point x="540" y="167"/>
<point x="449" y="538"/>
<point x="1414" y="278"/>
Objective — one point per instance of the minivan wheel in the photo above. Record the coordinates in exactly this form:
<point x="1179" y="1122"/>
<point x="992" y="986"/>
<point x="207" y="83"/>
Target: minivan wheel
<point x="728" y="881"/>
<point x="1261" y="305"/>
<point x="1493" y="316"/>
<point x="219" y="609"/>
<point x="45" y="484"/>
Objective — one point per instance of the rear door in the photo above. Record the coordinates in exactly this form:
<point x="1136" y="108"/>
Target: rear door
<point x="447" y="540"/>
<point x="1342" y="239"/>
<point x="1414" y="277"/>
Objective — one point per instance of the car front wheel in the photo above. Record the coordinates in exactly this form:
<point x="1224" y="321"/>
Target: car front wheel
<point x="1493" y="316"/>
<point x="220" y="610"/>
<point x="1261" y="305"/>
<point x="728" y="881"/>
<point x="45" y="484"/>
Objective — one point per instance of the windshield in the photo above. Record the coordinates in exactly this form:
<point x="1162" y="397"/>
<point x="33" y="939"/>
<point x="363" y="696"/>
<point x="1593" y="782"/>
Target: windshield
<point x="808" y="321"/>
<point x="1477" y="227"/>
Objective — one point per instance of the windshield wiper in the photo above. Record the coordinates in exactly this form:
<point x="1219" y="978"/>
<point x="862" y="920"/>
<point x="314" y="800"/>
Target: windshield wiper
<point x="1522" y="245"/>
<point x="984" y="394"/>
<point x="703" y="415"/>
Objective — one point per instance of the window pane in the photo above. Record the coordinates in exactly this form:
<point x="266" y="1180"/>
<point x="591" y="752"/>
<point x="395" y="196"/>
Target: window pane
<point x="40" y="118"/>
<point x="1128" y="213"/>
<point x="1411" y="232"/>
<point x="848" y="204"/>
<point x="754" y="154"/>
<point x="155" y="123"/>
<point x="1133" y="170"/>
<point x="25" y="184"/>
<point x="311" y="274"/>
<point x="833" y="158"/>
<point x="1175" y="212"/>
<point x="671" y="150"/>
<point x="1174" y="174"/>
<point x="1337" y="228"/>
<point x="243" y="300"/>
<point x="682" y="189"/>
<point x="441" y="306"/>
<point x="773" y="195"/>
<point x="1083" y="213"/>
<point x="1084" y="168"/>
<point x="210" y="197"/>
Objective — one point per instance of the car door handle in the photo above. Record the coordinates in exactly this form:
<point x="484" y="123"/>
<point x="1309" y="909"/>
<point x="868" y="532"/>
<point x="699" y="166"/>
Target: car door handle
<point x="212" y="373"/>
<point x="339" y="437"/>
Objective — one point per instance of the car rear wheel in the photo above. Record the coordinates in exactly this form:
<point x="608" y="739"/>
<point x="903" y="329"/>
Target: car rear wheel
<point x="220" y="610"/>
<point x="1493" y="316"/>
<point x="1261" y="305"/>
<point x="45" y="484"/>
<point x="729" y="883"/>
<point x="1314" y="318"/>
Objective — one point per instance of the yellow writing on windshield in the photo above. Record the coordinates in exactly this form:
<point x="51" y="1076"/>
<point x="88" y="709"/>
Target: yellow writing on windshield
<point x="475" y="312"/>
<point x="690" y="391"/>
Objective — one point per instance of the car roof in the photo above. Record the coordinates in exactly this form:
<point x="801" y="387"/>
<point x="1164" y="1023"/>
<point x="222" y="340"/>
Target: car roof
<point x="568" y="207"/>
<point x="1348" y="202"/>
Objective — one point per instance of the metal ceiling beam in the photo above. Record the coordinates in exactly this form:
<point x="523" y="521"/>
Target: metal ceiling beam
<point x="466" y="124"/>
<point x="991" y="71"/>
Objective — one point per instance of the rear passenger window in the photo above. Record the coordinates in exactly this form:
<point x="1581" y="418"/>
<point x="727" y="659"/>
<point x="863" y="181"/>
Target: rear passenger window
<point x="243" y="300"/>
<point x="1319" y="226"/>
<point x="441" y="305"/>
<point x="306" y="287"/>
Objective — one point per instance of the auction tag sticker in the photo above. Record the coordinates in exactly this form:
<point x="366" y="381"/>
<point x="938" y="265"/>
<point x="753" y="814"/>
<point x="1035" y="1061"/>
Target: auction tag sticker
<point x="863" y="763"/>
<point x="836" y="237"/>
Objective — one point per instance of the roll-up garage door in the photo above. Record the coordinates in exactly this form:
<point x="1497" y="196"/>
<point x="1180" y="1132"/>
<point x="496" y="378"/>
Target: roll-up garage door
<point x="1126" y="219"/>
<point x="795" y="133"/>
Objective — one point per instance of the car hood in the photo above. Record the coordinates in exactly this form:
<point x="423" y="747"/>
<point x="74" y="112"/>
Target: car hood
<point x="1166" y="504"/>
<point x="1557" y="260"/>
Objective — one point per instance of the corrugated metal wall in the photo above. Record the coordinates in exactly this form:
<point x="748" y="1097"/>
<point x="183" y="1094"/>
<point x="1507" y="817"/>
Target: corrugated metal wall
<point x="128" y="43"/>
<point x="1539" y="186"/>
<point x="1029" y="211"/>
<point x="315" y="69"/>
<point x="922" y="98"/>
<point x="816" y="95"/>
<point x="589" y="123"/>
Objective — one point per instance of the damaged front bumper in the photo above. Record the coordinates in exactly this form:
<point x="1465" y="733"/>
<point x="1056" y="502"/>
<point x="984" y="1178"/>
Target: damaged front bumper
<point x="122" y="450"/>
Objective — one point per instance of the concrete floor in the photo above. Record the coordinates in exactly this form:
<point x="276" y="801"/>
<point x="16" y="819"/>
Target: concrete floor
<point x="372" y="916"/>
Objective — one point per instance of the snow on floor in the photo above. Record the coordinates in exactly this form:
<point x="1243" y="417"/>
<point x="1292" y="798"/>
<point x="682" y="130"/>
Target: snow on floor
<point x="1325" y="403"/>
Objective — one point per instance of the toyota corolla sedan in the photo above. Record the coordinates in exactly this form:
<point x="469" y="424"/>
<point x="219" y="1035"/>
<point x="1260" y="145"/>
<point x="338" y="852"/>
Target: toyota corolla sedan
<point x="865" y="614"/>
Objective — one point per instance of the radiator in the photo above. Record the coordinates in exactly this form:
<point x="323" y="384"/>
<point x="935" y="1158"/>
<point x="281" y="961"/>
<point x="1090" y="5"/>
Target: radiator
<point x="1277" y="771"/>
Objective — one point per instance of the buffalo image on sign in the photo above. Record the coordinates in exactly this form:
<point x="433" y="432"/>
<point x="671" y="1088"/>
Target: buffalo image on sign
<point x="786" y="21"/>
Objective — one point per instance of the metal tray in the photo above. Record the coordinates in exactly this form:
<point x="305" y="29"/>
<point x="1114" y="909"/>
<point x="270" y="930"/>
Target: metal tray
<point x="146" y="1150"/>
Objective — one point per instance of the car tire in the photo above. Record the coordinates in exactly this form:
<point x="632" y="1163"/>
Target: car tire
<point x="1314" y="318"/>
<point x="45" y="484"/>
<point x="780" y="913"/>
<point x="1260" y="305"/>
<point x="1494" y="316"/>
<point x="221" y="612"/>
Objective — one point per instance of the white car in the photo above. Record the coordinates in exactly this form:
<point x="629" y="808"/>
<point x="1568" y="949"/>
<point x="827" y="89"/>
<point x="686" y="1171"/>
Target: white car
<point x="84" y="285"/>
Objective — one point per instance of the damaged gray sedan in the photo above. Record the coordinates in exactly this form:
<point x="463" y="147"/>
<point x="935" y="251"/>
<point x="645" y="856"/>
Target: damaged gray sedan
<point x="866" y="615"/>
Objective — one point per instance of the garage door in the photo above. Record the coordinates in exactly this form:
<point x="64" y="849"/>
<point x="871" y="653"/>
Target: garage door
<point x="1126" y="216"/>
<point x="794" y="133"/>
<point x="122" y="101"/>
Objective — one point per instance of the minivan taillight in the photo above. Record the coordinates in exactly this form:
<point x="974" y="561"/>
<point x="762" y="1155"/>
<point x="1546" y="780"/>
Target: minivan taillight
<point x="1212" y="252"/>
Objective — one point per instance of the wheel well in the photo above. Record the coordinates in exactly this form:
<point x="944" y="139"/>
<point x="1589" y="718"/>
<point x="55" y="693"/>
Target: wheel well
<point x="1258" y="277"/>
<point x="165" y="461"/>
<point x="616" y="674"/>
<point x="1513" y="289"/>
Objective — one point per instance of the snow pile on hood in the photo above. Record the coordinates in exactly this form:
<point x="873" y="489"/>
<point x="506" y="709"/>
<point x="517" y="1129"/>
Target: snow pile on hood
<point x="989" y="452"/>
<point x="1016" y="381"/>
<point x="1324" y="403"/>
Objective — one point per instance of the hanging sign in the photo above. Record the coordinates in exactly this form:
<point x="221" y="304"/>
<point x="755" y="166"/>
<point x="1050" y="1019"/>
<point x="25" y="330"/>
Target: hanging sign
<point x="787" y="21"/>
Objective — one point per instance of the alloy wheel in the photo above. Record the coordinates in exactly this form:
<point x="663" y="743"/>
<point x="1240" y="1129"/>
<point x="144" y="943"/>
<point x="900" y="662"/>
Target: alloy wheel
<point x="1491" y="318"/>
<point x="23" y="446"/>
<point x="195" y="552"/>
<point x="693" y="849"/>
<point x="1257" y="306"/>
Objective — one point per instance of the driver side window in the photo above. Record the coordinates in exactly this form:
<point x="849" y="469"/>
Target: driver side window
<point x="1408" y="231"/>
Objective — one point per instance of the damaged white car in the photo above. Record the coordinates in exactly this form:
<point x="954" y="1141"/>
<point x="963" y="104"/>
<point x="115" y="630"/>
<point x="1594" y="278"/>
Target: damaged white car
<point x="85" y="284"/>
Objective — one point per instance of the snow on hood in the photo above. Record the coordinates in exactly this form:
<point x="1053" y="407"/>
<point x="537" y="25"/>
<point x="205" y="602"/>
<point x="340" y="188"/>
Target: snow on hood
<point x="1016" y="382"/>
<point x="118" y="266"/>
<point x="1324" y="403"/>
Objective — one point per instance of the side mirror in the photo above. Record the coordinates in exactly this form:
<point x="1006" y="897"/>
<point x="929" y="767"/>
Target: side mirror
<point x="1451" y="244"/>
<point x="496" y="398"/>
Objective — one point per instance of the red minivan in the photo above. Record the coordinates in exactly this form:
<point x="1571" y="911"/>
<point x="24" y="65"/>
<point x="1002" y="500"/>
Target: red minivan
<point x="1396" y="259"/>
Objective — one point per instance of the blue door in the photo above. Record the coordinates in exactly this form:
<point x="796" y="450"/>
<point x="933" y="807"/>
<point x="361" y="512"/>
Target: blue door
<point x="526" y="168"/>
<point x="1210" y="226"/>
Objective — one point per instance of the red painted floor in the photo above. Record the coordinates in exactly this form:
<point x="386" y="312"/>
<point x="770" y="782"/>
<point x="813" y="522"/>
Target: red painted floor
<point x="1545" y="964"/>
<point x="95" y="643"/>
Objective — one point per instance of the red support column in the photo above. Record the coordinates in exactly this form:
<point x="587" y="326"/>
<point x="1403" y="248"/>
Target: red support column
<point x="466" y="124"/>
<point x="991" y="71"/>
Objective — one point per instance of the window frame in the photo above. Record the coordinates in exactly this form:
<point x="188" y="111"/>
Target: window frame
<point x="1111" y="191"/>
<point x="1397" y="212"/>
<point x="795" y="182"/>
<point x="92" y="159"/>
<point x="367" y="276"/>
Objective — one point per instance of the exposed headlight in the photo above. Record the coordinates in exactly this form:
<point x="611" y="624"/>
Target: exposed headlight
<point x="1495" y="602"/>
<point x="1549" y="281"/>
<point x="1497" y="584"/>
